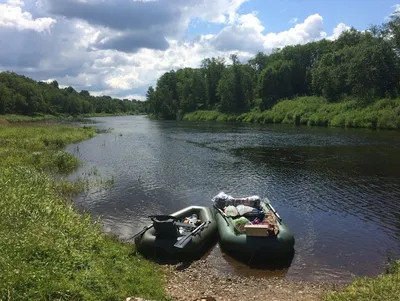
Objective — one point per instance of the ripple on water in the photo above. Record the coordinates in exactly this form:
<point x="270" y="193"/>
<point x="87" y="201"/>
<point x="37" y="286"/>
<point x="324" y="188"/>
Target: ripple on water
<point x="337" y="190"/>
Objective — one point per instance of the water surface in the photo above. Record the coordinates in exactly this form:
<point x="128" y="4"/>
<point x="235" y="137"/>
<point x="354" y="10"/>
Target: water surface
<point x="338" y="190"/>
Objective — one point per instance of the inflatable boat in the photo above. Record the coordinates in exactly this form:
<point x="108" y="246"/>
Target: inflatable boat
<point x="187" y="233"/>
<point x="251" y="226"/>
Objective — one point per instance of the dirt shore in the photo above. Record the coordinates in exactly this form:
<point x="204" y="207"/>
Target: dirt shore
<point x="200" y="280"/>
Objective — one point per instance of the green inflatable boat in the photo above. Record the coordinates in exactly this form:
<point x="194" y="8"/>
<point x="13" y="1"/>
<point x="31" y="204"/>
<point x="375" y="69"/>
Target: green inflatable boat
<point x="257" y="233"/>
<point x="187" y="233"/>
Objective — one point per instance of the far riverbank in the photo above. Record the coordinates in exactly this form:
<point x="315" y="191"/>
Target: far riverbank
<point x="316" y="111"/>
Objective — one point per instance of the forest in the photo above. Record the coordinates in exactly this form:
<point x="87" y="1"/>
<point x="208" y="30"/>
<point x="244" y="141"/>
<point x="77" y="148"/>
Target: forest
<point x="360" y="66"/>
<point x="351" y="81"/>
<point x="22" y="95"/>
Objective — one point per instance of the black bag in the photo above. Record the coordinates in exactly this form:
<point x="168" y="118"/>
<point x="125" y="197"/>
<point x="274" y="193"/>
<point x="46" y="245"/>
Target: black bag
<point x="253" y="215"/>
<point x="165" y="225"/>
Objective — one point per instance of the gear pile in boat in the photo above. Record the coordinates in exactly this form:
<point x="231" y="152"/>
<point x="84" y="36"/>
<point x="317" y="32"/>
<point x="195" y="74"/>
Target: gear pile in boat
<point x="247" y="215"/>
<point x="187" y="232"/>
<point x="245" y="226"/>
<point x="167" y="226"/>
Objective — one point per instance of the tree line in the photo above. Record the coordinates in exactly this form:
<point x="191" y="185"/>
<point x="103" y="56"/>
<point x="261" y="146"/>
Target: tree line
<point x="22" y="95"/>
<point x="362" y="65"/>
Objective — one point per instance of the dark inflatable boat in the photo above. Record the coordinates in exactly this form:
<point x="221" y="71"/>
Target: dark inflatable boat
<point x="187" y="233"/>
<point x="266" y="237"/>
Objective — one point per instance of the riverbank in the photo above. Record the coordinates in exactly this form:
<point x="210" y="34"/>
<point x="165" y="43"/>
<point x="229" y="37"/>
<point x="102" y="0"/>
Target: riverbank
<point x="316" y="111"/>
<point x="202" y="279"/>
<point x="49" y="250"/>
<point x="17" y="118"/>
<point x="54" y="252"/>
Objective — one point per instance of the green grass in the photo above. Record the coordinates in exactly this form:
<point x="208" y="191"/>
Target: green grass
<point x="41" y="119"/>
<point x="316" y="111"/>
<point x="47" y="118"/>
<point x="49" y="251"/>
<point x="382" y="288"/>
<point x="210" y="116"/>
<point x="41" y="146"/>
<point x="23" y="118"/>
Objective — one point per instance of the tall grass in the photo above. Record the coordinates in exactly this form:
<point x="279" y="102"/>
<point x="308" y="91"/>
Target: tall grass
<point x="14" y="118"/>
<point x="47" y="118"/>
<point x="384" y="287"/>
<point x="49" y="251"/>
<point x="41" y="146"/>
<point x="384" y="114"/>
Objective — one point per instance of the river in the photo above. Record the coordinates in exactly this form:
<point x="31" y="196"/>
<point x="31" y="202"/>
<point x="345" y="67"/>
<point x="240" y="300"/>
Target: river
<point x="338" y="190"/>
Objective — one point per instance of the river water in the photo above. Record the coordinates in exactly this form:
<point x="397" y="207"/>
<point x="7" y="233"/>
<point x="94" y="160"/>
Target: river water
<point x="338" y="190"/>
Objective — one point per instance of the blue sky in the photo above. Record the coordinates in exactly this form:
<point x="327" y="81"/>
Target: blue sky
<point x="121" y="47"/>
<point x="276" y="14"/>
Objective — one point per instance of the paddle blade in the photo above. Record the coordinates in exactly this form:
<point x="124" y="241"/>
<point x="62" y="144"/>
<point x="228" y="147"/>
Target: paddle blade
<point x="140" y="233"/>
<point x="183" y="242"/>
<point x="186" y="239"/>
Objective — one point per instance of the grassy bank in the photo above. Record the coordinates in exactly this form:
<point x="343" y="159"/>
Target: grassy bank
<point x="383" y="114"/>
<point x="41" y="118"/>
<point x="16" y="118"/>
<point x="50" y="251"/>
<point x="383" y="287"/>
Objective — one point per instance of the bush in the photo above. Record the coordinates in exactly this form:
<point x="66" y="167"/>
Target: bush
<point x="64" y="162"/>
<point x="384" y="113"/>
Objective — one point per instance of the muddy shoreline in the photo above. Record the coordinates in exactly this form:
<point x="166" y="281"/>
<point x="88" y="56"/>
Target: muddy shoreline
<point x="199" y="279"/>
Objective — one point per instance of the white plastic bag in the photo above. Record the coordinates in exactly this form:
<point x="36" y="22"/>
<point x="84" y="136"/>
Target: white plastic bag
<point x="243" y="209"/>
<point x="231" y="211"/>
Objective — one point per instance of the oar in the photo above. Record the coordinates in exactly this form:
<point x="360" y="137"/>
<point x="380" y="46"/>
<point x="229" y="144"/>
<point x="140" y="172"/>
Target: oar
<point x="185" y="240"/>
<point x="141" y="232"/>
<point x="274" y="211"/>
<point x="223" y="214"/>
<point x="151" y="226"/>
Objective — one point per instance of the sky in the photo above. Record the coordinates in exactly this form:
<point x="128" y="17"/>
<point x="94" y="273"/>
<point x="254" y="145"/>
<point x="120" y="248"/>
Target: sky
<point x="121" y="47"/>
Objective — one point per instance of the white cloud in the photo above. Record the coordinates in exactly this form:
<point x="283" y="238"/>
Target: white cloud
<point x="122" y="80"/>
<point x="396" y="11"/>
<point x="133" y="96"/>
<point x="218" y="11"/>
<point x="77" y="54"/>
<point x="135" y="72"/>
<point x="131" y="25"/>
<point x="308" y="31"/>
<point x="90" y="35"/>
<point x="12" y="16"/>
<point x="247" y="34"/>
<point x="15" y="3"/>
<point x="338" y="30"/>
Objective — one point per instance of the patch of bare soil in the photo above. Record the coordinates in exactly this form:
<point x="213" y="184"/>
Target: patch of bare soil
<point x="201" y="280"/>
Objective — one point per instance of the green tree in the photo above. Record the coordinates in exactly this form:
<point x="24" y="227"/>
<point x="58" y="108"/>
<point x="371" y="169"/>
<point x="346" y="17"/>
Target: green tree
<point x="212" y="71"/>
<point x="275" y="83"/>
<point x="7" y="103"/>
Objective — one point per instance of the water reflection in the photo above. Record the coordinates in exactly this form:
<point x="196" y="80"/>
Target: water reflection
<point x="234" y="265"/>
<point x="337" y="190"/>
